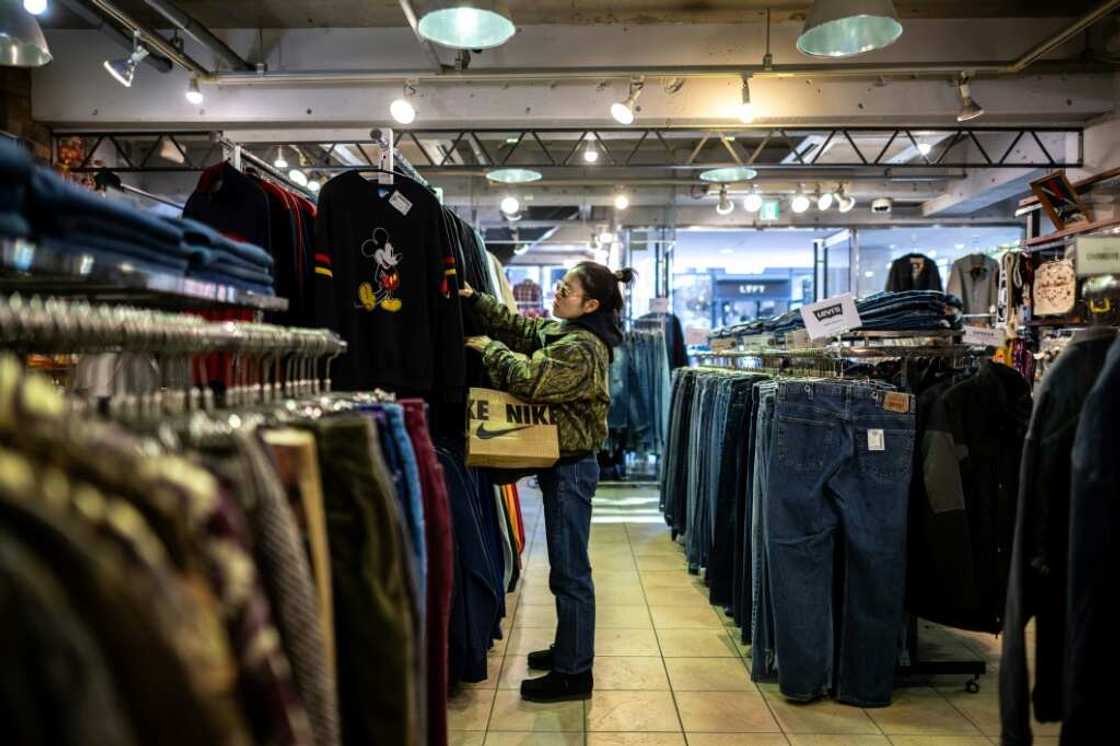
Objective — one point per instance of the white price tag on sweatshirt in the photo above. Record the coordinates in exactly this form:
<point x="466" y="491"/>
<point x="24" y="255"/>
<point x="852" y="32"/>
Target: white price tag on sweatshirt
<point x="400" y="202"/>
<point x="832" y="317"/>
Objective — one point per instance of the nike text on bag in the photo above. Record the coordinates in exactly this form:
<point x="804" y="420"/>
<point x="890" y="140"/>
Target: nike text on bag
<point x="504" y="432"/>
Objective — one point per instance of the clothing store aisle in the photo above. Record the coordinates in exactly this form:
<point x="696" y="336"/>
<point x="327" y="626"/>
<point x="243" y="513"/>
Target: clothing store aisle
<point x="669" y="670"/>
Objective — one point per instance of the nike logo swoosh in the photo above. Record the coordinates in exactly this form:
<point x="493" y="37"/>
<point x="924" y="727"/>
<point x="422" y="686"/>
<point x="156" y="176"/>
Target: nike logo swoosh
<point x="484" y="434"/>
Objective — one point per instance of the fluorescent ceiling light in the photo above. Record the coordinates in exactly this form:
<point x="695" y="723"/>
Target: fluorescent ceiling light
<point x="35" y="7"/>
<point x="467" y="24"/>
<point x="845" y="28"/>
<point x="513" y="175"/>
<point x="729" y="175"/>
<point x="510" y="205"/>
<point x="194" y="95"/>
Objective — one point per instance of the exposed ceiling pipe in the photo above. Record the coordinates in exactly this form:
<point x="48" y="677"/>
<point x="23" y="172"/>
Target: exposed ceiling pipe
<point x="188" y="25"/>
<point x="98" y="22"/>
<point x="151" y="39"/>
<point x="840" y="70"/>
<point x="425" y="45"/>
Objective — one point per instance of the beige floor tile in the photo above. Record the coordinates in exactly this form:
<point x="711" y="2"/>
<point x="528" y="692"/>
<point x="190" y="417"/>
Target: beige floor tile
<point x="498" y="738"/>
<point x="709" y="675"/>
<point x="921" y="711"/>
<point x="630" y="673"/>
<point x="612" y="564"/>
<point x="632" y="711"/>
<point x="465" y="738"/>
<point x="655" y="579"/>
<point x="940" y="741"/>
<point x="633" y="616"/>
<point x="822" y="717"/>
<point x="803" y="739"/>
<point x="657" y="549"/>
<point x="626" y="642"/>
<point x="511" y="713"/>
<point x="661" y="563"/>
<point x="690" y="596"/>
<point x="737" y="739"/>
<point x="524" y="640"/>
<point x="725" y="712"/>
<point x="696" y="643"/>
<point x="617" y="578"/>
<point x="635" y="739"/>
<point x="619" y="595"/>
<point x="470" y="709"/>
<point x="536" y="615"/>
<point x="515" y="669"/>
<point x="499" y="647"/>
<point x="685" y="617"/>
<point x="982" y="709"/>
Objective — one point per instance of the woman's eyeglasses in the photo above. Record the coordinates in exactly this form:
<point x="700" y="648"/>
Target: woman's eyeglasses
<point x="563" y="291"/>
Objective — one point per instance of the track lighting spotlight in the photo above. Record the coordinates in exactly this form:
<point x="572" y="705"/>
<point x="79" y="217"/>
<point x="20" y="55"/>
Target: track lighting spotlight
<point x="124" y="70"/>
<point x="315" y="185"/>
<point x="402" y="110"/>
<point x="969" y="108"/>
<point x="799" y="203"/>
<point x="824" y="201"/>
<point x="194" y="94"/>
<point x="281" y="162"/>
<point x="752" y="202"/>
<point x="35" y="7"/>
<point x="844" y="203"/>
<point x="621" y="201"/>
<point x="590" y="153"/>
<point x="510" y="205"/>
<point x="746" y="108"/>
<point x="623" y="111"/>
<point x="606" y="238"/>
<point x="725" y="206"/>
<point x="298" y="177"/>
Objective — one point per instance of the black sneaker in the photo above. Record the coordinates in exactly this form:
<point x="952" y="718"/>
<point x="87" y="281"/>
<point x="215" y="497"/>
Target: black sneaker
<point x="541" y="660"/>
<point x="558" y="687"/>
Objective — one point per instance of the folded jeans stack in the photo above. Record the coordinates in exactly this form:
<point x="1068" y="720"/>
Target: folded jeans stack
<point x="216" y="258"/>
<point x="909" y="310"/>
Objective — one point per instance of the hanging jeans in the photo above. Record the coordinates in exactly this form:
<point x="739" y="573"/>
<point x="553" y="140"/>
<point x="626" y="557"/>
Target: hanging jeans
<point x="567" y="490"/>
<point x="840" y="462"/>
<point x="763" y="656"/>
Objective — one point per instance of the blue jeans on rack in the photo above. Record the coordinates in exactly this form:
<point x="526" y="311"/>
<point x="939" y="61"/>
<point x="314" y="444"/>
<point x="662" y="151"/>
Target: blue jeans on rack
<point x="841" y="462"/>
<point x="764" y="664"/>
<point x="567" y="490"/>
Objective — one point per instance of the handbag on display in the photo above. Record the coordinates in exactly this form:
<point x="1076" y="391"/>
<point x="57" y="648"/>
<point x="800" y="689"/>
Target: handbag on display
<point x="1055" y="288"/>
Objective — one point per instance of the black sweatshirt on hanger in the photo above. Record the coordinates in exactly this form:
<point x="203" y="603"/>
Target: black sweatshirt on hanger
<point x="914" y="272"/>
<point x="386" y="280"/>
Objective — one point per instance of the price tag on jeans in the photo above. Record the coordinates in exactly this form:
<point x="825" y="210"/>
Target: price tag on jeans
<point x="832" y="317"/>
<point x="1098" y="255"/>
<point x="982" y="336"/>
<point x="876" y="440"/>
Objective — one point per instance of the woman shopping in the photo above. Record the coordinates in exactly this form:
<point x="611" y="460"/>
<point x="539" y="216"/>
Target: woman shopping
<point x="565" y="364"/>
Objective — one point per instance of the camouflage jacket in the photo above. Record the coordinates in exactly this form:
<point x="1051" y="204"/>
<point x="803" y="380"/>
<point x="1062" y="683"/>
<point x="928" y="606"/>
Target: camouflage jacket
<point x="550" y="362"/>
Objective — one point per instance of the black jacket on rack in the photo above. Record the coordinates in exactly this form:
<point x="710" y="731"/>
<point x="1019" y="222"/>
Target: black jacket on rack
<point x="963" y="497"/>
<point x="674" y="337"/>
<point x="1039" y="567"/>
<point x="386" y="279"/>
<point x="913" y="272"/>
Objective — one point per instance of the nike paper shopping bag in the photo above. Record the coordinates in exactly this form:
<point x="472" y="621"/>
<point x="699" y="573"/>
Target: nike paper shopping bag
<point x="504" y="432"/>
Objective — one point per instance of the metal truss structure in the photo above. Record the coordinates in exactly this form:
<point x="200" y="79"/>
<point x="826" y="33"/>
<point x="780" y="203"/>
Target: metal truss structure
<point x="788" y="151"/>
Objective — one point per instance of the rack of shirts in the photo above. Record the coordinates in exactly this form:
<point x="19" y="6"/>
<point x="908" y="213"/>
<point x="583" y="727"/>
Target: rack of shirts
<point x="280" y="564"/>
<point x="772" y="462"/>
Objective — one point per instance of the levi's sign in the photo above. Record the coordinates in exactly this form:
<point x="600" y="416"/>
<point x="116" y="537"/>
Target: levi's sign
<point x="831" y="317"/>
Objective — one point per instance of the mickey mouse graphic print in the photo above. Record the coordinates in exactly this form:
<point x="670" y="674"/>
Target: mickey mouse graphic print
<point x="392" y="289"/>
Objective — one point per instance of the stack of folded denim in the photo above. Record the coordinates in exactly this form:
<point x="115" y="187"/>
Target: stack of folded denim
<point x="909" y="310"/>
<point x="15" y="170"/>
<point x="215" y="258"/>
<point x="70" y="219"/>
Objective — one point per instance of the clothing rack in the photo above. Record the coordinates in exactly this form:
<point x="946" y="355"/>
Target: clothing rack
<point x="106" y="179"/>
<point x="239" y="155"/>
<point x="825" y="361"/>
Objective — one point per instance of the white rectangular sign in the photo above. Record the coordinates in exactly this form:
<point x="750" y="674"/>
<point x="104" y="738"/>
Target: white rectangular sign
<point x="831" y="317"/>
<point x="1098" y="255"/>
<point x="982" y="336"/>
<point x="659" y="305"/>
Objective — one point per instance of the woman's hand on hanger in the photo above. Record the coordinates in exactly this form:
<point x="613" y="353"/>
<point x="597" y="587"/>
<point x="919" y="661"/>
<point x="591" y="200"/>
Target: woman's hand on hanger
<point x="478" y="343"/>
<point x="466" y="292"/>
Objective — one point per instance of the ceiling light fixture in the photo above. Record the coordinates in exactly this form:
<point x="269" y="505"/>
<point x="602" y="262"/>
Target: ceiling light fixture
<point x="753" y="202"/>
<point x="467" y="24"/>
<point x="591" y="153"/>
<point x="746" y="108"/>
<point x="402" y="110"/>
<point x="513" y="175"/>
<point x="729" y="175"/>
<point x="22" y="43"/>
<point x="35" y="7"/>
<point x="281" y="162"/>
<point x="969" y="108"/>
<point x="194" y="94"/>
<point x="800" y="202"/>
<point x="844" y="203"/>
<point x="925" y="148"/>
<point x="725" y="206"/>
<point x="299" y="178"/>
<point x="510" y="205"/>
<point x="124" y="70"/>
<point x="606" y="237"/>
<point x="621" y="201"/>
<point x="824" y="201"/>
<point x="623" y="111"/>
<point x="845" y="28"/>
<point x="315" y="185"/>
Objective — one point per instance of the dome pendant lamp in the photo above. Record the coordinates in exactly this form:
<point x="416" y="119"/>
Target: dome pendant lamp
<point x="466" y="24"/>
<point x="845" y="28"/>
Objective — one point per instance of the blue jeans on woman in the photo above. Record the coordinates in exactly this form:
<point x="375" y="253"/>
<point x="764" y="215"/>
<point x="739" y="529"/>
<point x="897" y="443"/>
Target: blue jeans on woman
<point x="567" y="491"/>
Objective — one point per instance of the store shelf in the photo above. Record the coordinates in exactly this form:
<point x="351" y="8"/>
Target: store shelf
<point x="31" y="269"/>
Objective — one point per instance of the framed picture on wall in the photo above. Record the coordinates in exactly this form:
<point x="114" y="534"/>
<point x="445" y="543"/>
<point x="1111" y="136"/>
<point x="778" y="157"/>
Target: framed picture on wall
<point x="1060" y="200"/>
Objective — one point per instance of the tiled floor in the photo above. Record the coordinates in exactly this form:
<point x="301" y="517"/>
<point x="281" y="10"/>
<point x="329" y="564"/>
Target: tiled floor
<point x="669" y="670"/>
